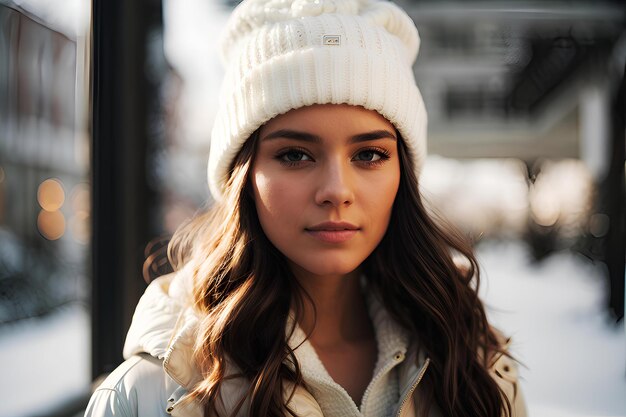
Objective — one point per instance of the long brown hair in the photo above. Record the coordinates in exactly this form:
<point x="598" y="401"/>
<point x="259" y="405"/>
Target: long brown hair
<point x="244" y="291"/>
<point x="423" y="288"/>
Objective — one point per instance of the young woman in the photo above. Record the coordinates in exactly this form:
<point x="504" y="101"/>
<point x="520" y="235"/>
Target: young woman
<point x="317" y="284"/>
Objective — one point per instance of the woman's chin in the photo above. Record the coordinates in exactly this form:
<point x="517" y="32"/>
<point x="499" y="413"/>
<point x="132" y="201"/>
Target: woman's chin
<point x="326" y="268"/>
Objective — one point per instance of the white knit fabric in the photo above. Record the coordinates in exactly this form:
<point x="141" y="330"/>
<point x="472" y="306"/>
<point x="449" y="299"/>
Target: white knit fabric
<point x="383" y="392"/>
<point x="284" y="54"/>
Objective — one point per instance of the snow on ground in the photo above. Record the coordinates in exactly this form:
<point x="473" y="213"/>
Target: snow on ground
<point x="45" y="362"/>
<point x="575" y="358"/>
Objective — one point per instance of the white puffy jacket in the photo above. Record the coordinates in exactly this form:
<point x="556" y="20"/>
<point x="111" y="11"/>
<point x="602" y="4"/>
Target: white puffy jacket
<point x="159" y="370"/>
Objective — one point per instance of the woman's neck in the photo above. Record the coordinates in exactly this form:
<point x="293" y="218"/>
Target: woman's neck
<point x="340" y="329"/>
<point x="340" y="315"/>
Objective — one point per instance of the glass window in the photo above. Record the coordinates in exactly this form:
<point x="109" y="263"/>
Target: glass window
<point x="44" y="210"/>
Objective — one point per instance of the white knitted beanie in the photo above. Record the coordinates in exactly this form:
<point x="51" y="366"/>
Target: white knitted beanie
<point x="286" y="54"/>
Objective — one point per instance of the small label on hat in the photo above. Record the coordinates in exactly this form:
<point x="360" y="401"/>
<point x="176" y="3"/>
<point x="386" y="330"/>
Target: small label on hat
<point x="332" y="40"/>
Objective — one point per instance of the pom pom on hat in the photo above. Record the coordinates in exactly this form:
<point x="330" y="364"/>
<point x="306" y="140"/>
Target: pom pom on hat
<point x="281" y="55"/>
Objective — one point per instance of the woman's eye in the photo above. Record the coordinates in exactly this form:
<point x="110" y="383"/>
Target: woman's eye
<point x="368" y="156"/>
<point x="372" y="155"/>
<point x="294" y="156"/>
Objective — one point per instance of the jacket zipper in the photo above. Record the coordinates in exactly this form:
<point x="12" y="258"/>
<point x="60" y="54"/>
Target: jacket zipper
<point x="398" y="357"/>
<point x="413" y="387"/>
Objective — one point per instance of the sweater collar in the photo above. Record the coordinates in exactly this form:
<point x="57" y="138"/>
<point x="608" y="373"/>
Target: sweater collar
<point x="391" y="339"/>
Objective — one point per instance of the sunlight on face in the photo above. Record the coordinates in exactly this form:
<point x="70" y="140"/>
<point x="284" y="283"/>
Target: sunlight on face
<point x="325" y="178"/>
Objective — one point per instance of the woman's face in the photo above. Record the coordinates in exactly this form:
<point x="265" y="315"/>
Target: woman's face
<point x="324" y="179"/>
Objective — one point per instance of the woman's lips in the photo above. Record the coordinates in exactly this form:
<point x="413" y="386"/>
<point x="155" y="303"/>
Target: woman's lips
<point x="333" y="232"/>
<point x="332" y="236"/>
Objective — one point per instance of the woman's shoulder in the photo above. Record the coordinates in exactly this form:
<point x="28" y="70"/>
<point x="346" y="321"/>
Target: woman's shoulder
<point x="138" y="387"/>
<point x="504" y="370"/>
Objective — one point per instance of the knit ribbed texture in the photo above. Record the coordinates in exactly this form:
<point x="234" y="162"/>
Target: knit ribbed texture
<point x="281" y="55"/>
<point x="383" y="392"/>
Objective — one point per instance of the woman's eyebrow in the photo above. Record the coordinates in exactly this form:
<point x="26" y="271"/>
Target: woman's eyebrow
<point x="293" y="134"/>
<point x="309" y="137"/>
<point x="373" y="135"/>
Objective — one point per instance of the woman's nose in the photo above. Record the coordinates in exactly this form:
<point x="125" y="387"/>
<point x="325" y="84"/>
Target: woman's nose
<point x="335" y="186"/>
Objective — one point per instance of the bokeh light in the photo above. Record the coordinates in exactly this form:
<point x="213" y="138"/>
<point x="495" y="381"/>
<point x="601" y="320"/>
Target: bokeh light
<point x="80" y="227"/>
<point x="544" y="207"/>
<point x="561" y="195"/>
<point x="51" y="224"/>
<point x="51" y="195"/>
<point x="80" y="198"/>
<point x="80" y="222"/>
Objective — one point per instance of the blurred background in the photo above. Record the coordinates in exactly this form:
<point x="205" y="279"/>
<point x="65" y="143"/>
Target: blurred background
<point x="106" y="110"/>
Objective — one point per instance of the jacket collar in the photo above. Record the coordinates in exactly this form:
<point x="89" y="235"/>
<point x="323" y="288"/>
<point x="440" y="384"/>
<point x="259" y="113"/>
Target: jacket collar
<point x="165" y="327"/>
